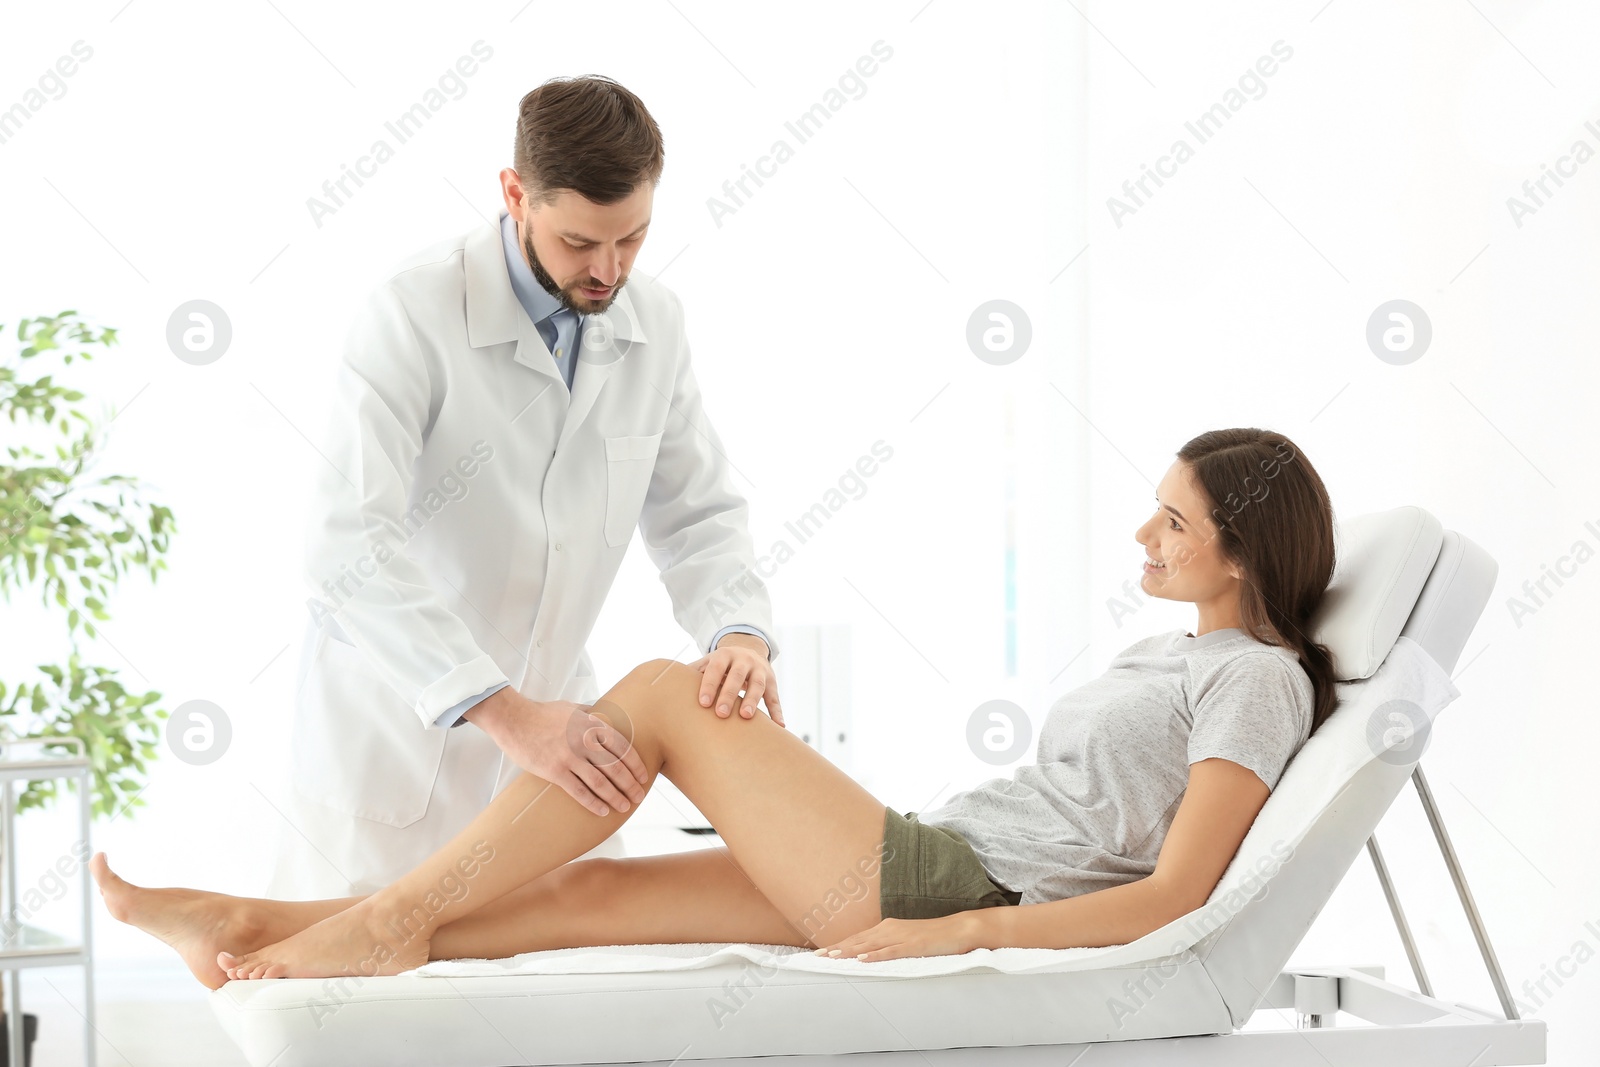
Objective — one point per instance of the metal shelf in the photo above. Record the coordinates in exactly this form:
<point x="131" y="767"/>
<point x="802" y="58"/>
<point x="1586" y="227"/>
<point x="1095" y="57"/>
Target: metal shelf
<point x="34" y="946"/>
<point x="29" y="759"/>
<point x="34" y="770"/>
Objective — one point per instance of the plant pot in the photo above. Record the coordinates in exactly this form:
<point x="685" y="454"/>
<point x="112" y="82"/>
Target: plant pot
<point x="30" y="1030"/>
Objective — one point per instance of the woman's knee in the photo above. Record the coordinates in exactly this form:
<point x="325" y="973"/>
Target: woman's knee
<point x="641" y="705"/>
<point x="653" y="683"/>
<point x="654" y="672"/>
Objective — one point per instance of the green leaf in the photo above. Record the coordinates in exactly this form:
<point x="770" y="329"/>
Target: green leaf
<point x="52" y="526"/>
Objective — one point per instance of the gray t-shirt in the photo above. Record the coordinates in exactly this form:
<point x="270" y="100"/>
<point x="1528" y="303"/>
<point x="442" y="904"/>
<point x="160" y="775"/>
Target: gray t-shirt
<point x="1114" y="755"/>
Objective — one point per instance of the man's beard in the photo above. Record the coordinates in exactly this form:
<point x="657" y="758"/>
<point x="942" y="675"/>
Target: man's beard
<point x="550" y="286"/>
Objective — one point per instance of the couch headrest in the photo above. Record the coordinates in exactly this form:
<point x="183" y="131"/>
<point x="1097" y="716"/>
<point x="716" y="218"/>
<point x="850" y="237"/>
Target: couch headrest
<point x="1382" y="559"/>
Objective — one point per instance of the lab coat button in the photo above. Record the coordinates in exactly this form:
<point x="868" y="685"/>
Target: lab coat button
<point x="558" y="546"/>
<point x="538" y="644"/>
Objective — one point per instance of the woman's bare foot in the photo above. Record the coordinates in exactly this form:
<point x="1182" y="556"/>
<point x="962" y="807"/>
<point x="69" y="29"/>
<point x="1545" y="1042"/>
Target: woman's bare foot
<point x="195" y="923"/>
<point x="362" y="941"/>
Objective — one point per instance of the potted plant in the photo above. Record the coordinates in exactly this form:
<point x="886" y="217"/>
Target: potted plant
<point x="71" y="536"/>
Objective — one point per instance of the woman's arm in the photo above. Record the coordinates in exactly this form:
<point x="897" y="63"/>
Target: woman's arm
<point x="1219" y="805"/>
<point x="1113" y="916"/>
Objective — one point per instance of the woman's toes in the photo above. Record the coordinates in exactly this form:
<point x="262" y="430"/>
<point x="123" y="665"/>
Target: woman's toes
<point x="249" y="967"/>
<point x="233" y="966"/>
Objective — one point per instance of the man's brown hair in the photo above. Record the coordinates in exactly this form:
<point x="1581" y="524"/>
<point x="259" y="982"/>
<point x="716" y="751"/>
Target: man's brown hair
<point x="586" y="134"/>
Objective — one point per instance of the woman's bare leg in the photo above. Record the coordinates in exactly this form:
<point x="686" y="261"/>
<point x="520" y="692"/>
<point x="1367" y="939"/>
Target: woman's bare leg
<point x="808" y="836"/>
<point x="684" y="897"/>
<point x="701" y="895"/>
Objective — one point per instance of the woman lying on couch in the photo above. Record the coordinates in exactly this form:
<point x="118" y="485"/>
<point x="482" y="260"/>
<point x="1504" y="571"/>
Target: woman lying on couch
<point x="1147" y="780"/>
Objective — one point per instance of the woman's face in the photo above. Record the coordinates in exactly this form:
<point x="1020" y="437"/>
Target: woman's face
<point x="1181" y="536"/>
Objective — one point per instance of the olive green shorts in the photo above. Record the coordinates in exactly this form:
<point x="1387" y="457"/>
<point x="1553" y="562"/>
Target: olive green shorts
<point x="929" y="871"/>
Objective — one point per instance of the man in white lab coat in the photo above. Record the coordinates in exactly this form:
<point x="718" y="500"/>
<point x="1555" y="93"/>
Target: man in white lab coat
<point x="510" y="404"/>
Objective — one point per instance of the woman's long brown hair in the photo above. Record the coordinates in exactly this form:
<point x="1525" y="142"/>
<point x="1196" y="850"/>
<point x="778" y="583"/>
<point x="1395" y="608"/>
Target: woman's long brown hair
<point x="1275" y="521"/>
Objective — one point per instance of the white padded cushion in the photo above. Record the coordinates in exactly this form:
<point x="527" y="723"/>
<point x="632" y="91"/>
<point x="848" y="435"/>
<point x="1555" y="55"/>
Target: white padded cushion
<point x="1382" y="559"/>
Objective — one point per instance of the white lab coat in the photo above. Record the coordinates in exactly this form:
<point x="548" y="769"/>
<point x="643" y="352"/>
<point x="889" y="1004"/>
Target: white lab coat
<point x="468" y="521"/>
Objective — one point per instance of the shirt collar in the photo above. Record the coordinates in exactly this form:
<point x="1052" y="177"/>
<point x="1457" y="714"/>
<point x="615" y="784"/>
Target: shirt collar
<point x="537" y="301"/>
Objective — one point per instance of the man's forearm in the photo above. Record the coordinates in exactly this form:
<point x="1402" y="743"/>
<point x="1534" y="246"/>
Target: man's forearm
<point x="486" y="712"/>
<point x="1113" y="916"/>
<point x="456" y="714"/>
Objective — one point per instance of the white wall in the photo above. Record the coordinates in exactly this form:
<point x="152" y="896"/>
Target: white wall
<point x="827" y="313"/>
<point x="1376" y="166"/>
<point x="830" y="311"/>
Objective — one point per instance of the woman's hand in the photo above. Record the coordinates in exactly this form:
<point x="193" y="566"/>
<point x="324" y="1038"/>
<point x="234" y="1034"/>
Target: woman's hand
<point x="739" y="663"/>
<point x="892" y="939"/>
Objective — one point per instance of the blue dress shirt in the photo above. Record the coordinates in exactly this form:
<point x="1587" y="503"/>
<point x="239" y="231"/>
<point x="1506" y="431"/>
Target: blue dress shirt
<point x="559" y="326"/>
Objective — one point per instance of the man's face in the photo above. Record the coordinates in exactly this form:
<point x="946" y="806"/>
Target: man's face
<point x="581" y="251"/>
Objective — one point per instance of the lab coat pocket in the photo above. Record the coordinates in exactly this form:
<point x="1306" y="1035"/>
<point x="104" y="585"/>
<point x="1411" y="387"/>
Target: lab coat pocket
<point x="630" y="461"/>
<point x="359" y="749"/>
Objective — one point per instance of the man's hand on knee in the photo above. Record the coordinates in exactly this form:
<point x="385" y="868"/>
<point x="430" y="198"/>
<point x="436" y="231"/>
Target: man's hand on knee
<point x="738" y="675"/>
<point x="591" y="757"/>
